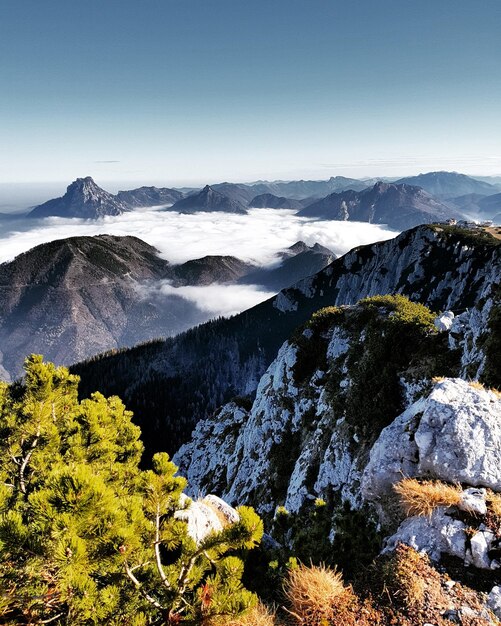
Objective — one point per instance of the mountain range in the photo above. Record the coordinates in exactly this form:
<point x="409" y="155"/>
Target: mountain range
<point x="148" y="196"/>
<point x="270" y="201"/>
<point x="400" y="205"/>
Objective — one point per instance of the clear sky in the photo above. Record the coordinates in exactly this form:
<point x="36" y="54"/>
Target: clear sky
<point x="188" y="91"/>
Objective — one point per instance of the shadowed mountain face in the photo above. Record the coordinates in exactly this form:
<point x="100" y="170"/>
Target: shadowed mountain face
<point x="208" y="200"/>
<point x="490" y="207"/>
<point x="301" y="189"/>
<point x="83" y="198"/>
<point x="209" y="270"/>
<point x="148" y="196"/>
<point x="448" y="184"/>
<point x="234" y="191"/>
<point x="73" y="298"/>
<point x="269" y="201"/>
<point x="398" y="206"/>
<point x="440" y="267"/>
<point x="298" y="262"/>
<point x="469" y="203"/>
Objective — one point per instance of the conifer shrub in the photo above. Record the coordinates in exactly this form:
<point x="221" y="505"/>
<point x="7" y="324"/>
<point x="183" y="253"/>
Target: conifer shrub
<point x="86" y="536"/>
<point x="422" y="498"/>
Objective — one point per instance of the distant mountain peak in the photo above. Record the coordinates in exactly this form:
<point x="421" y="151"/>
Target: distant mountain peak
<point x="400" y="206"/>
<point x="209" y="199"/>
<point x="84" y="199"/>
<point x="448" y="184"/>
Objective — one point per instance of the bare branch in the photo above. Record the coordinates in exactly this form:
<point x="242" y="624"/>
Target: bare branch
<point x="26" y="460"/>
<point x="160" y="568"/>
<point x="139" y="587"/>
<point x="51" y="619"/>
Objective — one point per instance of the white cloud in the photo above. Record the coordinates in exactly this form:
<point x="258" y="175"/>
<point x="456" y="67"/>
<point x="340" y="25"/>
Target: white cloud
<point x="256" y="237"/>
<point x="215" y="299"/>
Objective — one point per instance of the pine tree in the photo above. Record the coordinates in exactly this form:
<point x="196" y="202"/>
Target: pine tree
<point x="86" y="536"/>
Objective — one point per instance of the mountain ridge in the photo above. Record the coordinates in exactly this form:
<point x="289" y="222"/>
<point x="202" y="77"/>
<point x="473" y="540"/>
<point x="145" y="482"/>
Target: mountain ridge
<point x="400" y="206"/>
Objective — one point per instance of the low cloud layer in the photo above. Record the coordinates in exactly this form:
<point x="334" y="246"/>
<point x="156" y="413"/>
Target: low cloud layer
<point x="213" y="300"/>
<point x="256" y="237"/>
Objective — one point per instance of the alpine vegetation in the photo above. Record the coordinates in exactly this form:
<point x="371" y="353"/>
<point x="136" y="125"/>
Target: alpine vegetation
<point x="86" y="536"/>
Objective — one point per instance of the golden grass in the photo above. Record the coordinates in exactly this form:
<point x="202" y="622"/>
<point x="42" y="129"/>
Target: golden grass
<point x="478" y="385"/>
<point x="422" y="498"/>
<point x="494" y="502"/>
<point x="316" y="595"/>
<point x="259" y="615"/>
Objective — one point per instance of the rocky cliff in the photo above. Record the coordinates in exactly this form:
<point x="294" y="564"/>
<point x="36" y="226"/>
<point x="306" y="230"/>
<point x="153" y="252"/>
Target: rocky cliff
<point x="363" y="423"/>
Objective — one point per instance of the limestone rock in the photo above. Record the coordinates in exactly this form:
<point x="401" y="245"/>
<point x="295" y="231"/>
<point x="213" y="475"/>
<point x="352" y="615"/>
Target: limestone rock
<point x="454" y="434"/>
<point x="473" y="501"/>
<point x="494" y="601"/>
<point x="444" y="321"/>
<point x="434" y="535"/>
<point x="206" y="516"/>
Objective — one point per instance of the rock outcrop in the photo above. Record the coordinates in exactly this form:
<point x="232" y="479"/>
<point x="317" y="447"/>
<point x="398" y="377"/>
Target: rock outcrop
<point x="453" y="434"/>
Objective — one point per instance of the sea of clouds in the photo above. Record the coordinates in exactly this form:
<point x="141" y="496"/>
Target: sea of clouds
<point x="256" y="237"/>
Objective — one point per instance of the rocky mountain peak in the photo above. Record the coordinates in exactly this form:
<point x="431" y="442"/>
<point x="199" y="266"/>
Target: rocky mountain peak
<point x="83" y="198"/>
<point x="382" y="187"/>
<point x="86" y="187"/>
<point x="209" y="199"/>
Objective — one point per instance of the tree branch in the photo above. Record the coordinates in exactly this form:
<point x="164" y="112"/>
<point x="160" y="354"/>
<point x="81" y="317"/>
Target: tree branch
<point x="158" y="559"/>
<point x="26" y="460"/>
<point x="139" y="587"/>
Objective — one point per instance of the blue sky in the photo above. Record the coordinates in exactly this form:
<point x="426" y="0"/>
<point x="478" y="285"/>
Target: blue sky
<point x="188" y="91"/>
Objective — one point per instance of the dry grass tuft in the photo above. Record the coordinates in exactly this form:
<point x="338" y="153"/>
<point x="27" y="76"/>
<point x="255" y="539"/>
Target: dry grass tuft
<point x="478" y="385"/>
<point x="317" y="596"/>
<point x="494" y="502"/>
<point x="259" y="615"/>
<point x="438" y="379"/>
<point x="422" y="498"/>
<point x="403" y="575"/>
